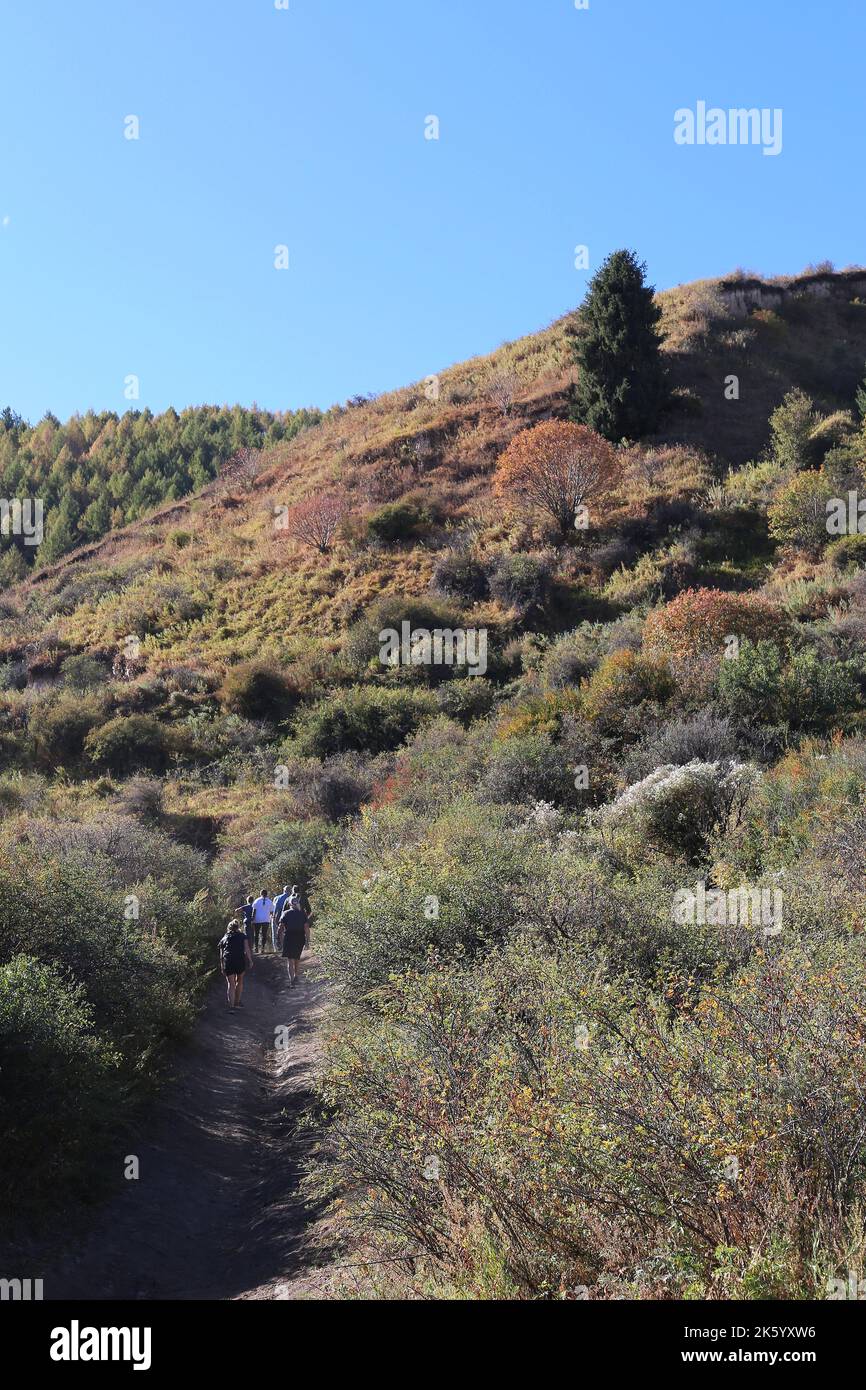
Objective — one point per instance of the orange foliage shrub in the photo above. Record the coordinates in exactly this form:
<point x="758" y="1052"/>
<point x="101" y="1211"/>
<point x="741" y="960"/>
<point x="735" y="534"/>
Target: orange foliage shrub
<point x="698" y="621"/>
<point x="557" y="466"/>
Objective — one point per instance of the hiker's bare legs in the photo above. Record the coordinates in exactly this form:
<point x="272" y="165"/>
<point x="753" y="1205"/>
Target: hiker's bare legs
<point x="239" y="989"/>
<point x="230" y="990"/>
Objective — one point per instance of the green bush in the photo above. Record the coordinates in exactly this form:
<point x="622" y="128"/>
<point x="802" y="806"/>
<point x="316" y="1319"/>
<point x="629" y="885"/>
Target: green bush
<point x="466" y="699"/>
<point x="256" y="690"/>
<point x="848" y="552"/>
<point x="807" y="693"/>
<point x="798" y="514"/>
<point x="60" y="728"/>
<point x="128" y="744"/>
<point x="83" y="672"/>
<point x="361" y="719"/>
<point x="267" y="851"/>
<point x="395" y="522"/>
<point x="521" y="582"/>
<point x="625" y="691"/>
<point x="60" y="1080"/>
<point x="363" y="645"/>
<point x="450" y="892"/>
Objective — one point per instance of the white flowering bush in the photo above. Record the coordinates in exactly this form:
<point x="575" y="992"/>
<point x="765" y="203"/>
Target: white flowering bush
<point x="677" y="809"/>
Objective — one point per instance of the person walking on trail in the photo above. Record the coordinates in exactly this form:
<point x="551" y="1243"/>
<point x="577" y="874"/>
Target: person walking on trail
<point x="262" y="909"/>
<point x="235" y="959"/>
<point x="294" y="935"/>
<point x="279" y="903"/>
<point x="246" y="911"/>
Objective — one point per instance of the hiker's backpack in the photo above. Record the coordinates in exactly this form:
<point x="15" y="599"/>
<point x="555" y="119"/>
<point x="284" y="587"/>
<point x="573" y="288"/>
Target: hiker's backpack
<point x="233" y="951"/>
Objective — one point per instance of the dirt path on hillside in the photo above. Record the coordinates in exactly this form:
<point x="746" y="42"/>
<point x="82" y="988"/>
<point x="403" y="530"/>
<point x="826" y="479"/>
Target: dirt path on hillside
<point x="216" y="1212"/>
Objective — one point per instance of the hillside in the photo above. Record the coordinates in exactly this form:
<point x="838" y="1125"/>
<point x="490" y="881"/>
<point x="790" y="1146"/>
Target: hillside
<point x="673" y="700"/>
<point x="249" y="590"/>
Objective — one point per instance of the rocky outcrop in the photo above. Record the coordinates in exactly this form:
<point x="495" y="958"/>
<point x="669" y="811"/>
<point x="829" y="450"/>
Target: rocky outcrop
<point x="743" y="295"/>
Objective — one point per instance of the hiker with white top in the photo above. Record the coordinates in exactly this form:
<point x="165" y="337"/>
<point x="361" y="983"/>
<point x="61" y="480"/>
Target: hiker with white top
<point x="262" y="910"/>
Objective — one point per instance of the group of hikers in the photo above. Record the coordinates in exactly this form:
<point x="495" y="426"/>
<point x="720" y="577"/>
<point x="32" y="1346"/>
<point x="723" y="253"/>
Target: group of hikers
<point x="283" y="919"/>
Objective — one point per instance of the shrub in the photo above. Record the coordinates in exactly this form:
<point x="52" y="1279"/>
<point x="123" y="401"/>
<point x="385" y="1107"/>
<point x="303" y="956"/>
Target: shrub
<point x="848" y="552"/>
<point x="83" y="672"/>
<point x="361" y="719"/>
<point x="798" y="515"/>
<point x="466" y="699"/>
<point x="791" y="428"/>
<point x="316" y="520"/>
<point x="700" y="621"/>
<point x="457" y="574"/>
<point x="334" y="789"/>
<point x="527" y="769"/>
<point x="142" y="797"/>
<point x="60" y="1081"/>
<point x="479" y="1070"/>
<point x="521" y="582"/>
<point x="396" y="521"/>
<point x="807" y="693"/>
<point x="60" y="728"/>
<point x="676" y="809"/>
<point x="271" y="850"/>
<point x="625" y="691"/>
<point x="388" y="903"/>
<point x="363" y="645"/>
<point x="129" y="744"/>
<point x="69" y="913"/>
<point x="257" y="690"/>
<point x="750" y="687"/>
<point x="701" y="737"/>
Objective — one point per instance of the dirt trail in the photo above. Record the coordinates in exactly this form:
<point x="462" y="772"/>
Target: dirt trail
<point x="215" y="1212"/>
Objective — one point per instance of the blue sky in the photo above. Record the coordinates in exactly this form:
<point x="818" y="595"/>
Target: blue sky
<point x="305" y="127"/>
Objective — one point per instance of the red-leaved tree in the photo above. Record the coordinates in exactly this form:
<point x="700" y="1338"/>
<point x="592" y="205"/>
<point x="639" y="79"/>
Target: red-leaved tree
<point x="315" y="520"/>
<point x="558" y="467"/>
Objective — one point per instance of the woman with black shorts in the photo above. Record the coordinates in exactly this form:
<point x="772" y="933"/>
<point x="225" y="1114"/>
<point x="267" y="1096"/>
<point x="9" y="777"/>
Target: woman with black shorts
<point x="235" y="958"/>
<point x="294" y="935"/>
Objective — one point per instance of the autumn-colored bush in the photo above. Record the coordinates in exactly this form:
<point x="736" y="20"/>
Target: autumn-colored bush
<point x="625" y="691"/>
<point x="700" y="622"/>
<point x="557" y="467"/>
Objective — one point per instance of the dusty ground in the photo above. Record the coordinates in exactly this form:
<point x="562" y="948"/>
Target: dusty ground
<point x="216" y="1212"/>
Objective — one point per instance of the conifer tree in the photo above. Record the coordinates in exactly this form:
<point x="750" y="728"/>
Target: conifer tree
<point x="621" y="387"/>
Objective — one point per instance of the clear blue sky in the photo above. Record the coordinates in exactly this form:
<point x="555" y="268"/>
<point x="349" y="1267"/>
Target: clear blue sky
<point x="306" y="127"/>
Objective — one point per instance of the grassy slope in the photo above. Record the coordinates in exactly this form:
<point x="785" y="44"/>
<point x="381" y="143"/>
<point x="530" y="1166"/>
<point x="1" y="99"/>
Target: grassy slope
<point x="258" y="592"/>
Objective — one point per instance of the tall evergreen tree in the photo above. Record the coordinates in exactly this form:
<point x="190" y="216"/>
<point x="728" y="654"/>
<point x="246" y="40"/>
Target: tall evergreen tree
<point x="621" y="388"/>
